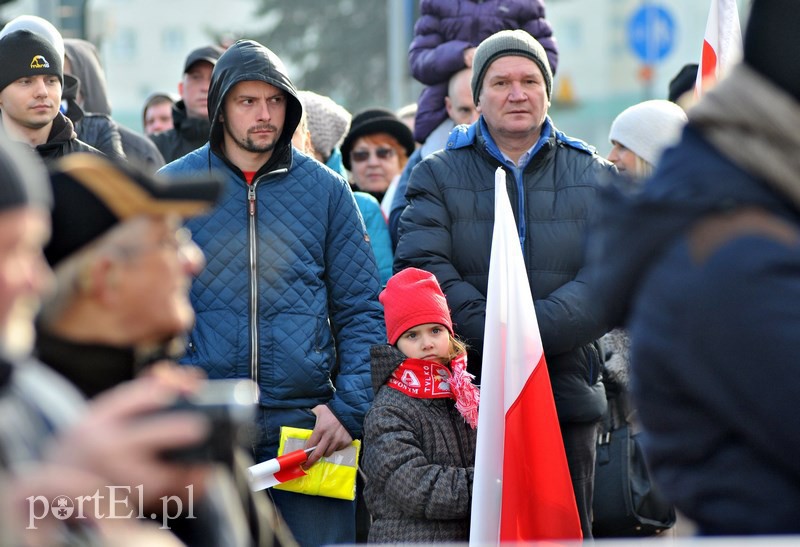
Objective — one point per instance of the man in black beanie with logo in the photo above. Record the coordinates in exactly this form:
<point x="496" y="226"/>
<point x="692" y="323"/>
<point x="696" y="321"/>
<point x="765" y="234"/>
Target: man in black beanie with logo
<point x="552" y="178"/>
<point x="31" y="83"/>
<point x="702" y="266"/>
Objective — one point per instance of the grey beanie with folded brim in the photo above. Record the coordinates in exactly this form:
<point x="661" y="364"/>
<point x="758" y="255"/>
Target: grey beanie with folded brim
<point x="504" y="44"/>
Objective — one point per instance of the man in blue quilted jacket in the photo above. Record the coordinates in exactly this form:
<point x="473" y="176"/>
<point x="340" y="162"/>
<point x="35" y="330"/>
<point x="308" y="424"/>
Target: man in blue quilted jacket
<point x="290" y="294"/>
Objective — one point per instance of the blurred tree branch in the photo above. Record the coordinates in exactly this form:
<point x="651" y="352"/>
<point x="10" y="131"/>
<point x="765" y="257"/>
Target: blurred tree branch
<point x="333" y="47"/>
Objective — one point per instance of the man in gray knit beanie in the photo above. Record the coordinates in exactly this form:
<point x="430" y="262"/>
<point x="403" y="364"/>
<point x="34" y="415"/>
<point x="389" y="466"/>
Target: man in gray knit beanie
<point x="509" y="43"/>
<point x="447" y="230"/>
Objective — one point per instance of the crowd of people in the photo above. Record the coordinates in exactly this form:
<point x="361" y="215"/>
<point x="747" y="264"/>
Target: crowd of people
<point x="337" y="264"/>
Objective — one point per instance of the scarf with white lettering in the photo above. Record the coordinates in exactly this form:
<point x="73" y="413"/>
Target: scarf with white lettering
<point x="423" y="379"/>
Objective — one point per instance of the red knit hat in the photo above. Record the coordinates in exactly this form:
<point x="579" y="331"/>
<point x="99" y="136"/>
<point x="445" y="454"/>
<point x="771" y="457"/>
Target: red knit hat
<point x="413" y="297"/>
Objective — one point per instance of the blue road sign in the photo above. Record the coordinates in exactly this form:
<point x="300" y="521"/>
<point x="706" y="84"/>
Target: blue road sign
<point x="651" y="33"/>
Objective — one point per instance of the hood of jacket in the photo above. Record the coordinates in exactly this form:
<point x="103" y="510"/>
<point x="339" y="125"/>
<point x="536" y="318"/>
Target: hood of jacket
<point x="69" y="99"/>
<point x="247" y="60"/>
<point x="61" y="131"/>
<point x="384" y="360"/>
<point x="694" y="179"/>
<point x="86" y="67"/>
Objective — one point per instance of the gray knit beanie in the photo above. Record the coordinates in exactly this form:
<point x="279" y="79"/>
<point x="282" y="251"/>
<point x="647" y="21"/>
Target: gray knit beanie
<point x="25" y="54"/>
<point x="328" y="122"/>
<point x="649" y="128"/>
<point x="507" y="43"/>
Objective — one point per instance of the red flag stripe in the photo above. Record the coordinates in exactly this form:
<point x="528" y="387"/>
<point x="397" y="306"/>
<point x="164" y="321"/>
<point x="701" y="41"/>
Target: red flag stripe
<point x="290" y="465"/>
<point x="530" y="423"/>
<point x="709" y="61"/>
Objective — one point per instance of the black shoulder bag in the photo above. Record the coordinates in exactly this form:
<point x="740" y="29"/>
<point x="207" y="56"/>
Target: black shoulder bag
<point x="626" y="502"/>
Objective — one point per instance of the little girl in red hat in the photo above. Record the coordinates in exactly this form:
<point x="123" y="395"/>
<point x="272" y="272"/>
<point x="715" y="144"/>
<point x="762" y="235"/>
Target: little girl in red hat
<point x="419" y="435"/>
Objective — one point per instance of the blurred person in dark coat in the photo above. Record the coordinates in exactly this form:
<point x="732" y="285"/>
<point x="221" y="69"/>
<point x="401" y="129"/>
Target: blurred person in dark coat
<point x="702" y="265"/>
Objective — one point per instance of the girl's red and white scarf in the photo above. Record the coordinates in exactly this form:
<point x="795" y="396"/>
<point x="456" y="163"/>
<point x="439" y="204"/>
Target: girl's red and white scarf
<point x="423" y="379"/>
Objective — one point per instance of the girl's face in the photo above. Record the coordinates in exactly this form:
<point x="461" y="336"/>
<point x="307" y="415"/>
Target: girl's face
<point x="430" y="341"/>
<point x="624" y="159"/>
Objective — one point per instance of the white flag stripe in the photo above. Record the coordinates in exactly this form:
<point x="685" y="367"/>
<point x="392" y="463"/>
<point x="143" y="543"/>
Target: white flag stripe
<point x="730" y="36"/>
<point x="724" y="36"/>
<point x="262" y="475"/>
<point x="500" y="387"/>
<point x="512" y="283"/>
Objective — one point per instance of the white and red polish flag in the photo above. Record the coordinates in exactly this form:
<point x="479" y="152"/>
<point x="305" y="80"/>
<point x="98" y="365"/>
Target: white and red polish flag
<point x="522" y="489"/>
<point x="722" y="45"/>
<point x="277" y="470"/>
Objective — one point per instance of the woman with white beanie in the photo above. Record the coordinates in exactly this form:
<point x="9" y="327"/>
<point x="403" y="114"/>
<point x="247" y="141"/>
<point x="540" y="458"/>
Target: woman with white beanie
<point x="639" y="136"/>
<point x="641" y="133"/>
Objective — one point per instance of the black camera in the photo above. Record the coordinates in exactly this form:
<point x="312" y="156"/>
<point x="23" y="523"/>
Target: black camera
<point x="229" y="406"/>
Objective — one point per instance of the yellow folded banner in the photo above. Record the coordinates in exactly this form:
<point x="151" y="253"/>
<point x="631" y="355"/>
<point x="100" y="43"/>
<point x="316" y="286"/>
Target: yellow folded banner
<point x="333" y="477"/>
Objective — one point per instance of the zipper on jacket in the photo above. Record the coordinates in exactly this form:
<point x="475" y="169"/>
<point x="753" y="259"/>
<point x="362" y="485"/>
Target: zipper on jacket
<point x="252" y="237"/>
<point x="253" y="249"/>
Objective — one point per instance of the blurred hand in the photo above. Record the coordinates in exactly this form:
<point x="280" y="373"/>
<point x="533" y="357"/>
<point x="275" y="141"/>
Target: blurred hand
<point x="329" y="435"/>
<point x="122" y="439"/>
<point x="186" y="379"/>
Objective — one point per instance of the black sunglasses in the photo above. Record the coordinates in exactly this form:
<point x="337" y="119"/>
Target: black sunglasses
<point x="363" y="155"/>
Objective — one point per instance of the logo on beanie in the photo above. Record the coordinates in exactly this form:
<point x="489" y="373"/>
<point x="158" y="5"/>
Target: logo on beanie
<point x="39" y="62"/>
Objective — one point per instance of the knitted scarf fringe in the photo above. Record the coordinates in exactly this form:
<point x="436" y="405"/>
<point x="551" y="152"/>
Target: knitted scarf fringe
<point x="466" y="394"/>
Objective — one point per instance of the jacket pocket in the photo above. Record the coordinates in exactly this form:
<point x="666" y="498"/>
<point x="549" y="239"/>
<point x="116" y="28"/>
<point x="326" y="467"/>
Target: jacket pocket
<point x="216" y="345"/>
<point x="297" y="357"/>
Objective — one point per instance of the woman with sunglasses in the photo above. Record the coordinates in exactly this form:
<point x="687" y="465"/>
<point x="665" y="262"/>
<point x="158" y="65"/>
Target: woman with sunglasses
<point x="375" y="151"/>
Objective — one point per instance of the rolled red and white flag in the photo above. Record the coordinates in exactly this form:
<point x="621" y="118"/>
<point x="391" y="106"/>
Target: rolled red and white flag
<point x="722" y="44"/>
<point x="277" y="470"/>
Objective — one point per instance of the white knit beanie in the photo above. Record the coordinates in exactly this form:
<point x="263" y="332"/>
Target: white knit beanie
<point x="328" y="122"/>
<point x="648" y="128"/>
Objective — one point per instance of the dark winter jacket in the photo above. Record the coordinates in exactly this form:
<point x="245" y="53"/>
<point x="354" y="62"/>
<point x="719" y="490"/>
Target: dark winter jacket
<point x="93" y="123"/>
<point x="85" y="93"/>
<point x="140" y="150"/>
<point x="703" y="267"/>
<point x="446" y="28"/>
<point x="419" y="457"/>
<point x="290" y="293"/>
<point x="101" y="132"/>
<point x="188" y="134"/>
<point x="447" y="230"/>
<point x="62" y="141"/>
